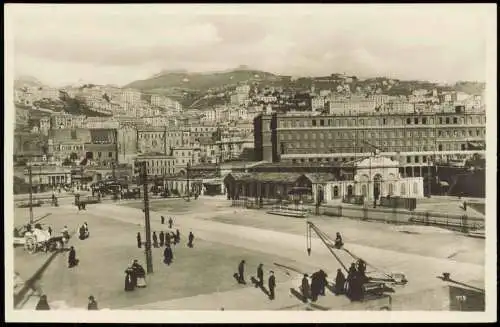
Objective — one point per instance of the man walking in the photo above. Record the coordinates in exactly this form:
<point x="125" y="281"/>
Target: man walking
<point x="162" y="238"/>
<point x="167" y="238"/>
<point x="139" y="241"/>
<point x="272" y="285"/>
<point x="260" y="276"/>
<point x="305" y="288"/>
<point x="155" y="240"/>
<point x="170" y="222"/>
<point x="190" y="239"/>
<point x="162" y="220"/>
<point x="241" y="271"/>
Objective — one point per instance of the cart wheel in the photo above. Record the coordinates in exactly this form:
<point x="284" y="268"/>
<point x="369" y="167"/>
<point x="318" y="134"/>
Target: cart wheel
<point x="30" y="245"/>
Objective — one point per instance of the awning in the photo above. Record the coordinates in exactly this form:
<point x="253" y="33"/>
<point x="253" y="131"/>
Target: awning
<point x="444" y="183"/>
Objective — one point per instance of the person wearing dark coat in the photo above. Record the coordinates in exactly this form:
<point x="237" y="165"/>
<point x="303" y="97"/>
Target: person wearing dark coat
<point x="362" y="269"/>
<point x="167" y="255"/>
<point x="305" y="288"/>
<point x="177" y="236"/>
<point x="92" y="303"/>
<point x="82" y="233"/>
<point x="190" y="239"/>
<point x="49" y="230"/>
<point x="162" y="220"/>
<point x="170" y="222"/>
<point x="43" y="304"/>
<point x="155" y="240"/>
<point x="72" y="260"/>
<point x="322" y="282"/>
<point x="339" y="282"/>
<point x="271" y="285"/>
<point x="314" y="291"/>
<point x="338" y="241"/>
<point x="139" y="241"/>
<point x="139" y="274"/>
<point x="129" y="279"/>
<point x="167" y="238"/>
<point x="162" y="238"/>
<point x="241" y="271"/>
<point x="260" y="275"/>
<point x="350" y="277"/>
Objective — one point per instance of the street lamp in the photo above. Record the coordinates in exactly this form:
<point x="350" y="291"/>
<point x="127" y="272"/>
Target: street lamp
<point x="31" y="191"/>
<point x="188" y="165"/>
<point x="140" y="169"/>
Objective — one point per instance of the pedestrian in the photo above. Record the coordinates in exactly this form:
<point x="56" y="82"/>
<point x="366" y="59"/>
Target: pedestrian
<point x="170" y="222"/>
<point x="65" y="232"/>
<point x="338" y="241"/>
<point x="465" y="206"/>
<point x="43" y="304"/>
<point x="350" y="276"/>
<point x="314" y="286"/>
<point x="81" y="232"/>
<point x="72" y="260"/>
<point x="129" y="279"/>
<point x="241" y="271"/>
<point x="162" y="238"/>
<point x="167" y="255"/>
<point x="260" y="275"/>
<point x="86" y="226"/>
<point x="167" y="238"/>
<point x="140" y="274"/>
<point x="155" y="240"/>
<point x="272" y="285"/>
<point x="177" y="236"/>
<point x="322" y="282"/>
<point x="362" y="269"/>
<point x="190" y="239"/>
<point x="92" y="303"/>
<point x="162" y="220"/>
<point x="50" y="231"/>
<point x="305" y="288"/>
<point x="139" y="241"/>
<point x="339" y="282"/>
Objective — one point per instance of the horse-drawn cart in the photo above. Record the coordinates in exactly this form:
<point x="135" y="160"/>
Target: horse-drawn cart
<point x="36" y="239"/>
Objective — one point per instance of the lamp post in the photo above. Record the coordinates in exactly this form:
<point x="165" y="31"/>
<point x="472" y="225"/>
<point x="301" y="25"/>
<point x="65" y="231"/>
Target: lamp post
<point x="187" y="181"/>
<point x="31" y="192"/>
<point x="143" y="176"/>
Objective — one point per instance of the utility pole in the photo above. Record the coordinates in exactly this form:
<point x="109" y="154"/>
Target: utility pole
<point x="143" y="175"/>
<point x="187" y="184"/>
<point x="31" y="192"/>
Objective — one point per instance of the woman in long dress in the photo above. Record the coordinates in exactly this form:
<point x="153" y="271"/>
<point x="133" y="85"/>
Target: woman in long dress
<point x="339" y="282"/>
<point x="129" y="279"/>
<point x="140" y="274"/>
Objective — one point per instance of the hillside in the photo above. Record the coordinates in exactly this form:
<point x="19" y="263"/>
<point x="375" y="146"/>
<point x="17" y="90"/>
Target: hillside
<point x="25" y="80"/>
<point x="200" y="81"/>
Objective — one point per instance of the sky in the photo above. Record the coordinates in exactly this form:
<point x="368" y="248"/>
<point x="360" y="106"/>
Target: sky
<point x="117" y="44"/>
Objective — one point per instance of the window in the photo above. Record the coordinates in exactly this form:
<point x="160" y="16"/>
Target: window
<point x="335" y="191"/>
<point x="416" y="159"/>
<point x="415" y="188"/>
<point x="447" y="120"/>
<point x="110" y="154"/>
<point x="384" y="121"/>
<point x="440" y="120"/>
<point x="415" y="121"/>
<point x="408" y="159"/>
<point x="424" y="158"/>
<point x="403" y="189"/>
<point x="314" y="122"/>
<point x="391" y="189"/>
<point x="424" y="120"/>
<point x="455" y="120"/>
<point x="321" y="122"/>
<point x="364" y="191"/>
<point x="408" y="121"/>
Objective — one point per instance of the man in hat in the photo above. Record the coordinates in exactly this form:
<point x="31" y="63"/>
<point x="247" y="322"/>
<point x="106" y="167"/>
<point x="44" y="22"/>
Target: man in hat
<point x="272" y="285"/>
<point x="190" y="239"/>
<point x="260" y="275"/>
<point x="92" y="305"/>
<point x="155" y="240"/>
<point x="162" y="238"/>
<point x="72" y="260"/>
<point x="170" y="222"/>
<point x="305" y="288"/>
<point x="241" y="271"/>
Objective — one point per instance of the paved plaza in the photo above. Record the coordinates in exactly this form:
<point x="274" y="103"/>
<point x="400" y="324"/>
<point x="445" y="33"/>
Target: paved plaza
<point x="201" y="277"/>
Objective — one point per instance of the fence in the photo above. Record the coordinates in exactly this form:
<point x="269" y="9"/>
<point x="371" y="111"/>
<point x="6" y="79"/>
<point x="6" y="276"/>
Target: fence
<point x="462" y="223"/>
<point x="459" y="222"/>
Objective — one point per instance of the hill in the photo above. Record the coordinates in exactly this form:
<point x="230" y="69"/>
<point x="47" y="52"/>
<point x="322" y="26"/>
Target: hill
<point x="25" y="80"/>
<point x="200" y="81"/>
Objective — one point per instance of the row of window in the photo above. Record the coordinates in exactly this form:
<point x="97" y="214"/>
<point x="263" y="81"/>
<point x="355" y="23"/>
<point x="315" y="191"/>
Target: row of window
<point x="159" y="163"/>
<point x="474" y="132"/>
<point x="453" y="120"/>
<point x="409" y="159"/>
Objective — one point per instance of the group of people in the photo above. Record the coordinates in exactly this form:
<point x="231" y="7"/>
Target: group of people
<point x="43" y="303"/>
<point x="135" y="276"/>
<point x="170" y="221"/>
<point x="317" y="286"/>
<point x="165" y="238"/>
<point x="352" y="286"/>
<point x="271" y="283"/>
<point x="84" y="231"/>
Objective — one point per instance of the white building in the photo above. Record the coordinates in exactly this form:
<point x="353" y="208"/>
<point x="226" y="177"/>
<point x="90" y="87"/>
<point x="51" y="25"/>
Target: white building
<point x="372" y="175"/>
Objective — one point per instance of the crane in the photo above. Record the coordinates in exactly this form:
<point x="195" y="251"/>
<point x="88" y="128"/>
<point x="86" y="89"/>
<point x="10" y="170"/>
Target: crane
<point x="336" y="249"/>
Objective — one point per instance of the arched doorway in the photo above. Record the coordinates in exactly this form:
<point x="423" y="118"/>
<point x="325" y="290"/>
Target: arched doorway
<point x="349" y="191"/>
<point x="321" y="195"/>
<point x="377" y="185"/>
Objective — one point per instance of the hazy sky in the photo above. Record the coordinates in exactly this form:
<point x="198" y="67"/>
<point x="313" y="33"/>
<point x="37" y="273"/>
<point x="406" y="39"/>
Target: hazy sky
<point x="117" y="44"/>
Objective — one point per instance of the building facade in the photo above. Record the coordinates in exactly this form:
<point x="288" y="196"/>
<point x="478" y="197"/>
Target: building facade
<point x="158" y="164"/>
<point x="412" y="139"/>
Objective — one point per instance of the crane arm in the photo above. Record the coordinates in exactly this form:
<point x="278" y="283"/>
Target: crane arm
<point x="330" y="245"/>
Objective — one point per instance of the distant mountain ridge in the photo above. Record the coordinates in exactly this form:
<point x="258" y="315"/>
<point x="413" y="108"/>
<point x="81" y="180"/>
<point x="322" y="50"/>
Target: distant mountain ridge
<point x="26" y="80"/>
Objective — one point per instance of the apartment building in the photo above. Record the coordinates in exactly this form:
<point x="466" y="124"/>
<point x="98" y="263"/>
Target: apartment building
<point x="158" y="164"/>
<point x="414" y="139"/>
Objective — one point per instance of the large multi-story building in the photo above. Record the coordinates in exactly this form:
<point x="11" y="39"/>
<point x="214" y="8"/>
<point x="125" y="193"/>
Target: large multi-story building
<point x="158" y="164"/>
<point x="130" y="96"/>
<point x="413" y="139"/>
<point x="62" y="120"/>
